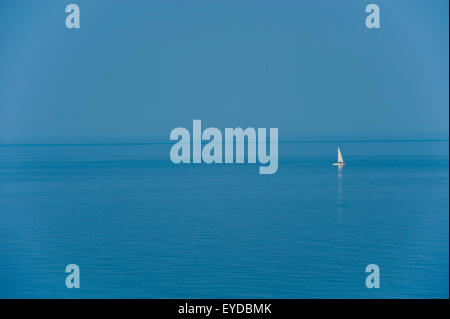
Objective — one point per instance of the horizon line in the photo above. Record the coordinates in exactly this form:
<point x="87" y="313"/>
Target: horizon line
<point x="312" y="141"/>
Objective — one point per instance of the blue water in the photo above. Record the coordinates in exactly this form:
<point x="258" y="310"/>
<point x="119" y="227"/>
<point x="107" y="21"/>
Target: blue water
<point x="141" y="227"/>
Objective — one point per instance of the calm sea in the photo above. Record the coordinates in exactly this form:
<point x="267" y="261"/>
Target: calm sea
<point x="139" y="226"/>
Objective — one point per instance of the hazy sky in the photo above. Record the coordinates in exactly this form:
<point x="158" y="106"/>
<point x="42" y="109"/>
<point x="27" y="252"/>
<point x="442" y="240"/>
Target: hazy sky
<point x="137" y="69"/>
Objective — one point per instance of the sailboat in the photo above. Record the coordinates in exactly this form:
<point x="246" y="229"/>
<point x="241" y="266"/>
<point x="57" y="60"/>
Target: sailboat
<point x="340" y="161"/>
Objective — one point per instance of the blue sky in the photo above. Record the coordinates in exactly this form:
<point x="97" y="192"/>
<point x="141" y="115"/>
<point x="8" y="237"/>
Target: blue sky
<point x="137" y="69"/>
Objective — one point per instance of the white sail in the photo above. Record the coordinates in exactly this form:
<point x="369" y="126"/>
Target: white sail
<point x="340" y="159"/>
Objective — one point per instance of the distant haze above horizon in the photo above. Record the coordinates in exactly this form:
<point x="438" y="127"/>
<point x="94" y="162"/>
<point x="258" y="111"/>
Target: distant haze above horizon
<point x="136" y="70"/>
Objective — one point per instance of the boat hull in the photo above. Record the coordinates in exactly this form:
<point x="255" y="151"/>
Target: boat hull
<point x="338" y="164"/>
